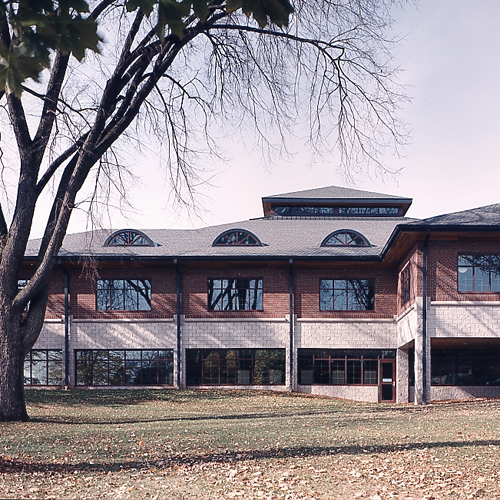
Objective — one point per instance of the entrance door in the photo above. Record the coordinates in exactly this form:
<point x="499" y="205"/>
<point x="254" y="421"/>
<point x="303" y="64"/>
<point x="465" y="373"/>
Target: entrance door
<point x="387" y="381"/>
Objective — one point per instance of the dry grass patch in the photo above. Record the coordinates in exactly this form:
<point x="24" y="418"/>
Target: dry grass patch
<point x="247" y="444"/>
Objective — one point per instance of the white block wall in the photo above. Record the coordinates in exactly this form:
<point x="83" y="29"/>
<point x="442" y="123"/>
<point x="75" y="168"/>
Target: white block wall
<point x="346" y="334"/>
<point x="51" y="336"/>
<point x="235" y="334"/>
<point x="464" y="319"/>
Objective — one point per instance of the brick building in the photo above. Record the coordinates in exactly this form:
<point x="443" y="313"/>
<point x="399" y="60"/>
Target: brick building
<point x="333" y="291"/>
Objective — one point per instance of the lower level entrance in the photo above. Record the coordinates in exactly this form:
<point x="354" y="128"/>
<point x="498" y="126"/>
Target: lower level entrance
<point x="387" y="382"/>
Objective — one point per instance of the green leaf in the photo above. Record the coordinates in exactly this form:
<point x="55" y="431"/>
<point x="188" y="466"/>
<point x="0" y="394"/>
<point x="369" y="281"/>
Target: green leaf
<point x="200" y="8"/>
<point x="233" y="5"/>
<point x="268" y="11"/>
<point x="145" y="5"/>
<point x="172" y="14"/>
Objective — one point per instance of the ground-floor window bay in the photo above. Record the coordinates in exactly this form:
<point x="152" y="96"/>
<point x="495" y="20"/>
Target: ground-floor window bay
<point x="341" y="366"/>
<point x="235" y="366"/>
<point x="124" y="367"/>
<point x="467" y="367"/>
<point x="43" y="367"/>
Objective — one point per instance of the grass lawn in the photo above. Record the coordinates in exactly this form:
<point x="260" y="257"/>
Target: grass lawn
<point x="247" y="444"/>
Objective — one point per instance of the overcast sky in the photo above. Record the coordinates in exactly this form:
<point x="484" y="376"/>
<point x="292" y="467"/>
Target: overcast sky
<point x="451" y="60"/>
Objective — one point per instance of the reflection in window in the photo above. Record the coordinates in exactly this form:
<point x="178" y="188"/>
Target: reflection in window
<point x="235" y="295"/>
<point x="303" y="210"/>
<point x="479" y="273"/>
<point x="124" y="367"/>
<point x="238" y="238"/>
<point x="128" y="237"/>
<point x="405" y="285"/>
<point x="340" y="367"/>
<point x="465" y="366"/>
<point x="123" y="295"/>
<point x="368" y="210"/>
<point x="345" y="238"/>
<point x="235" y="366"/>
<point x="43" y="367"/>
<point x="347" y="295"/>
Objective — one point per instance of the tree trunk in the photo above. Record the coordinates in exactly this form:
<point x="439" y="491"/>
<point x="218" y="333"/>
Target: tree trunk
<point x="12" y="403"/>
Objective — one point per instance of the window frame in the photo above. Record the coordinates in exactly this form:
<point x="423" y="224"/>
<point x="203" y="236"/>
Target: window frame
<point x="473" y="267"/>
<point x="28" y="363"/>
<point x="129" y="242"/>
<point x="239" y="242"/>
<point x="124" y="295"/>
<point x="235" y="298"/>
<point x="353" y="235"/>
<point x="370" y="289"/>
<point x="405" y="280"/>
<point x="136" y="361"/>
<point x="250" y="362"/>
<point x="353" y="363"/>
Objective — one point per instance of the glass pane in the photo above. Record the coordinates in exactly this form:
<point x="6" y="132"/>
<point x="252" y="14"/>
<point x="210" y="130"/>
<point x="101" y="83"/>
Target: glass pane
<point x="465" y="260"/>
<point x="116" y="367"/>
<point x="465" y="279"/>
<point x="338" y="371"/>
<point x="100" y="375"/>
<point x="83" y="367"/>
<point x="39" y="372"/>
<point x="27" y="371"/>
<point x="481" y="279"/>
<point x="354" y="371"/>
<point x="387" y="392"/>
<point x="340" y="300"/>
<point x="166" y="372"/>
<point x="132" y="372"/>
<point x="370" y="372"/>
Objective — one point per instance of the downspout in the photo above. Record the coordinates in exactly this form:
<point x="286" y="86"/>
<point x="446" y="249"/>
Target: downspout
<point x="178" y="322"/>
<point x="424" y="316"/>
<point x="66" y="324"/>
<point x="291" y="343"/>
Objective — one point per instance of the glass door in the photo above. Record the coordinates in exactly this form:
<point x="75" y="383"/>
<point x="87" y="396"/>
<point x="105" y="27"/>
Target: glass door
<point x="387" y="381"/>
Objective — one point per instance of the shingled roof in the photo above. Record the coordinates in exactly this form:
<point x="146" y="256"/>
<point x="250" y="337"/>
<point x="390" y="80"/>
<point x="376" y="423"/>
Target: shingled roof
<point x="488" y="215"/>
<point x="334" y="194"/>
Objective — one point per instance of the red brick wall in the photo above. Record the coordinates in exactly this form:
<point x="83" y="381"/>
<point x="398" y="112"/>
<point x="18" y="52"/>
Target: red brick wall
<point x="274" y="283"/>
<point x="443" y="263"/>
<point x="414" y="260"/>
<point x="307" y="283"/>
<point x="83" y="285"/>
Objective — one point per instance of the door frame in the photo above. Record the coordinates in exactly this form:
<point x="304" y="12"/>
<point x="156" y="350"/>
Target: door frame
<point x="381" y="384"/>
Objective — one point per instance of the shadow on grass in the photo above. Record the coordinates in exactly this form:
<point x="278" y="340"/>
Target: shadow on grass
<point x="15" y="466"/>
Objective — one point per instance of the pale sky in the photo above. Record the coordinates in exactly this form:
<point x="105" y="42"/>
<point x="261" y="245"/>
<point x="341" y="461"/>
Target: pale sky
<point x="451" y="61"/>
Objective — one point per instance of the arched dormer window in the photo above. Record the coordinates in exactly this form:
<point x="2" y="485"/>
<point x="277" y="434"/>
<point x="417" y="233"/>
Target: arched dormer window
<point x="344" y="238"/>
<point x="128" y="237"/>
<point x="237" y="237"/>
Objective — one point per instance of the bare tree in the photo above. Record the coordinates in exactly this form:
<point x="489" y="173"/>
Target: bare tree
<point x="177" y="70"/>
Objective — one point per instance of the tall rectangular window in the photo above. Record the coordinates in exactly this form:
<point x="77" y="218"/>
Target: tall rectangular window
<point x="235" y="294"/>
<point x="347" y="295"/>
<point x="405" y="285"/>
<point x="479" y="273"/>
<point x="124" y="295"/>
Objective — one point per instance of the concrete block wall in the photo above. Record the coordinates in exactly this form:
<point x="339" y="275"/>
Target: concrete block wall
<point x="51" y="336"/>
<point x="409" y="323"/>
<point x="235" y="334"/>
<point x="454" y="319"/>
<point x="125" y="334"/>
<point x="367" y="393"/>
<point x="346" y="334"/>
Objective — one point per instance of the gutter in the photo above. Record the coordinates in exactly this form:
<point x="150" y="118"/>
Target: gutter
<point x="424" y="315"/>
<point x="178" y="322"/>
<point x="291" y="342"/>
<point x="66" y="325"/>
